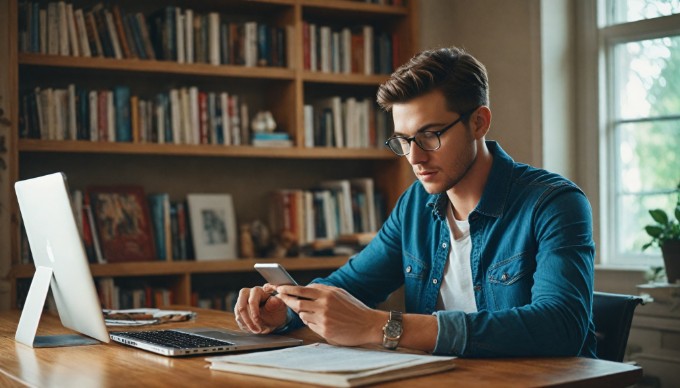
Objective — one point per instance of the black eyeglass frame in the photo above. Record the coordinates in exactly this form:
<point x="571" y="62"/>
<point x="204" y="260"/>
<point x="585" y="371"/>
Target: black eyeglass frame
<point x="438" y="133"/>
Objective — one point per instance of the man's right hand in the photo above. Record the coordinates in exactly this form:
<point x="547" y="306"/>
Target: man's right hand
<point x="258" y="311"/>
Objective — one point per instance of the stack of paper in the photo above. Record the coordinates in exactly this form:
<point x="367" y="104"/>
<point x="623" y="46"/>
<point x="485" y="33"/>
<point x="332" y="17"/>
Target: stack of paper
<point x="336" y="366"/>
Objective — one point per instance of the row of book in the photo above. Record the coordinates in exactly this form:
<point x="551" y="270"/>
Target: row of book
<point x="359" y="50"/>
<point x="179" y="116"/>
<point x="122" y="224"/>
<point x="335" y="208"/>
<point x="170" y="33"/>
<point x="348" y="123"/>
<point x="116" y="225"/>
<point x="116" y="297"/>
<point x="120" y="296"/>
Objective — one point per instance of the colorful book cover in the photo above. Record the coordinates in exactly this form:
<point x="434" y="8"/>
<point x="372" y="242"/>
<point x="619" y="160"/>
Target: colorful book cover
<point x="123" y="224"/>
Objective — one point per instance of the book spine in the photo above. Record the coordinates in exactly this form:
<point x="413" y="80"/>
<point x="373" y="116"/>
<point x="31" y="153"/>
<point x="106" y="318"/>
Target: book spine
<point x="84" y="44"/>
<point x="156" y="207"/>
<point x="224" y="43"/>
<point x="226" y="120"/>
<point x="189" y="35"/>
<point x="113" y="35"/>
<point x="179" y="36"/>
<point x="102" y="28"/>
<point x="146" y="37"/>
<point x="134" y="118"/>
<point x="63" y="29"/>
<point x="132" y="21"/>
<point x="121" y="35"/>
<point x="203" y="118"/>
<point x="93" y="109"/>
<point x="52" y="29"/>
<point x="93" y="35"/>
<point x="42" y="16"/>
<point x="72" y="116"/>
<point x="214" y="38"/>
<point x="122" y="109"/>
<point x="73" y="36"/>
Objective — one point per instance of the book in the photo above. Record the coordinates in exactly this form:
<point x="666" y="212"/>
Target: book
<point x="341" y="193"/>
<point x="159" y="206"/>
<point x="335" y="366"/>
<point x="123" y="223"/>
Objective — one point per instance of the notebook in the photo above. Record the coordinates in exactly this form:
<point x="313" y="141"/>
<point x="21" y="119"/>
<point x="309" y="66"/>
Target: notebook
<point x="195" y="341"/>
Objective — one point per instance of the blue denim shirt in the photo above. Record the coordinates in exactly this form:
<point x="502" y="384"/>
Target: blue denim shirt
<point x="532" y="265"/>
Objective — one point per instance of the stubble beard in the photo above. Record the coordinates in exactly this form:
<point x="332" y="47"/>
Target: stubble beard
<point x="463" y="167"/>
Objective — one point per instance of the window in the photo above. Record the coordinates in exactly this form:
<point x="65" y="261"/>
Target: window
<point x="640" y="43"/>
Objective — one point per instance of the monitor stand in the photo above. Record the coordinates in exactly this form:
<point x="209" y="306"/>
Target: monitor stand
<point x="30" y="317"/>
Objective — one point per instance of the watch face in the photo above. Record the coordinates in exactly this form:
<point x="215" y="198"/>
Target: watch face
<point x="393" y="329"/>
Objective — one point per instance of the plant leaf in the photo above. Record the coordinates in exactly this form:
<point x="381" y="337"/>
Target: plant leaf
<point x="677" y="213"/>
<point x="659" y="216"/>
<point x="653" y="230"/>
<point x="649" y="244"/>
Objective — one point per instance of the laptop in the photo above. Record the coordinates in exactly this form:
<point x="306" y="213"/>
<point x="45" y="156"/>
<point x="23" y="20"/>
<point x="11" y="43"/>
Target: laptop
<point x="195" y="341"/>
<point x="57" y="247"/>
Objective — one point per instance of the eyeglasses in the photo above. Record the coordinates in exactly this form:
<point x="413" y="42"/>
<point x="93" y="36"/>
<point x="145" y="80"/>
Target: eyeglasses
<point x="426" y="140"/>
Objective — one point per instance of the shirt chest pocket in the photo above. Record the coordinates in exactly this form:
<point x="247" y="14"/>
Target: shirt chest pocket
<point x="510" y="282"/>
<point x="414" y="268"/>
<point x="510" y="271"/>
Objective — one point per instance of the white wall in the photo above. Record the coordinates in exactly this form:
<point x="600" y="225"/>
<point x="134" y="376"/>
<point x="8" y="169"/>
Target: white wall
<point x="504" y="36"/>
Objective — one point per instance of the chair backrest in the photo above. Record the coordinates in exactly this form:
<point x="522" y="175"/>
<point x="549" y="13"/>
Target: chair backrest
<point x="612" y="316"/>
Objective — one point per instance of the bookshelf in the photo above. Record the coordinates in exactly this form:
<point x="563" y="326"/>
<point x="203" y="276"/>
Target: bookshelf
<point x="247" y="172"/>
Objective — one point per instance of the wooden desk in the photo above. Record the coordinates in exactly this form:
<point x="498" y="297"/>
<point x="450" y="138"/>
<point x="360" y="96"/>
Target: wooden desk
<point x="114" y="365"/>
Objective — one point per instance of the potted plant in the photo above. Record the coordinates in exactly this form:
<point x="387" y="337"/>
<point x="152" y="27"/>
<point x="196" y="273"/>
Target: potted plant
<point x="665" y="234"/>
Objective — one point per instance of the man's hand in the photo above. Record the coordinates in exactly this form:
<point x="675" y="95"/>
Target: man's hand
<point x="334" y="314"/>
<point x="258" y="311"/>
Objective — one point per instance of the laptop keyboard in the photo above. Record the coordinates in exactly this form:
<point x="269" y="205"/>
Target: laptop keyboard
<point x="174" y="339"/>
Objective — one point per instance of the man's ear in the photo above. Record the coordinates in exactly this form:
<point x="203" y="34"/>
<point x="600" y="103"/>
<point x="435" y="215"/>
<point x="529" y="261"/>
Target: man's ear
<point x="481" y="121"/>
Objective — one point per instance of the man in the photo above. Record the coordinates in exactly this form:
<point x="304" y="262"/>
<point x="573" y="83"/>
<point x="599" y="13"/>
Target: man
<point x="496" y="257"/>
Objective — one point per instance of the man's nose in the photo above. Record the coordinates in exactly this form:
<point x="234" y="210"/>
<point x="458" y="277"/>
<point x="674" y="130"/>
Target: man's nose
<point x="417" y="155"/>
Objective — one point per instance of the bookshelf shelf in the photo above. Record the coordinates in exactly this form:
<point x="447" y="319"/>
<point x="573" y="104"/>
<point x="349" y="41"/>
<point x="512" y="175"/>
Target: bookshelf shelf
<point x="156" y="67"/>
<point x="354" y="8"/>
<point x="75" y="146"/>
<point x="249" y="173"/>
<point x="344" y="79"/>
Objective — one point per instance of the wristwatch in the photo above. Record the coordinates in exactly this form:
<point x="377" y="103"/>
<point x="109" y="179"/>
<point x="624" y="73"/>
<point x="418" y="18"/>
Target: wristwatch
<point x="392" y="330"/>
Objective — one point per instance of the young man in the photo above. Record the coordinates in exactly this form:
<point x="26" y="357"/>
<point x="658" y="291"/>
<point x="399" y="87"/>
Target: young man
<point x="496" y="257"/>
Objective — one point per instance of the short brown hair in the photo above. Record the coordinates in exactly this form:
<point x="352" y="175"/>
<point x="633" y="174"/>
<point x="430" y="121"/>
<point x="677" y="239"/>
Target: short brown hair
<point x="458" y="75"/>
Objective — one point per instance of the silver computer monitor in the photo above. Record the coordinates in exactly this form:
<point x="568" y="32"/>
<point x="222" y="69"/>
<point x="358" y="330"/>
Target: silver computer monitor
<point x="61" y="265"/>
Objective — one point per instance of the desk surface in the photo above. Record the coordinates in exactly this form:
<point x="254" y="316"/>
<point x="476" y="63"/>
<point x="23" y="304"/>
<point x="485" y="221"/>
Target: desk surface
<point x="111" y="365"/>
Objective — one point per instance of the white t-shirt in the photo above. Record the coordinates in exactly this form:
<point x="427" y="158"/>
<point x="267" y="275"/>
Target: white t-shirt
<point x="456" y="292"/>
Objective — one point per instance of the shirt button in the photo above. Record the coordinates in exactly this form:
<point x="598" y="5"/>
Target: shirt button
<point x="504" y="277"/>
<point x="409" y="269"/>
<point x="444" y="245"/>
<point x="435" y="281"/>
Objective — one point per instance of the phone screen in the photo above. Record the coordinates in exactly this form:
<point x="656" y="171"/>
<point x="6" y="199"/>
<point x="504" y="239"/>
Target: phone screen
<point x="275" y="274"/>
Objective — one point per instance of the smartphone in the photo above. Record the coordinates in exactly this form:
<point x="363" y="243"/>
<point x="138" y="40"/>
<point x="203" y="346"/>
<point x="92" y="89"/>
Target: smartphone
<point x="275" y="274"/>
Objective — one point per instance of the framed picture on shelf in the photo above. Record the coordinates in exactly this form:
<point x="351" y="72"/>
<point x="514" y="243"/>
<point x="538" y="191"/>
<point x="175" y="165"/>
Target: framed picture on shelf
<point x="213" y="226"/>
<point x="123" y="224"/>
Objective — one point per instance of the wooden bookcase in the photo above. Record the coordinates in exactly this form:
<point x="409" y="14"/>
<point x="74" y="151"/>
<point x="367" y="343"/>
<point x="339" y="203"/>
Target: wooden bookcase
<point x="248" y="173"/>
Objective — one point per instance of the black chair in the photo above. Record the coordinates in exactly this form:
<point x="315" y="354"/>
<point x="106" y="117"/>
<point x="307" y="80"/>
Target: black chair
<point x="612" y="315"/>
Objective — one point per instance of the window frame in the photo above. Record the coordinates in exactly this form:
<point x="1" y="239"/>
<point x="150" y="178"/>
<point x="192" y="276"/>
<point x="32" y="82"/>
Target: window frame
<point x="596" y="117"/>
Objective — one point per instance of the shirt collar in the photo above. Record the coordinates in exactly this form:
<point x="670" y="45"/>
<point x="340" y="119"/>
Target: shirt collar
<point x="495" y="192"/>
